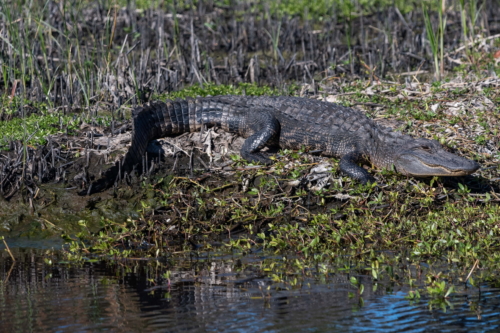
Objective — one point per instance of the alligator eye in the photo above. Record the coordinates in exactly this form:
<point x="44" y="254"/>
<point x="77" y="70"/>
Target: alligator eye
<point x="426" y="148"/>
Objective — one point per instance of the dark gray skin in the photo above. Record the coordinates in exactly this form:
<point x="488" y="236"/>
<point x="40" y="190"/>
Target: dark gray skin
<point x="294" y="123"/>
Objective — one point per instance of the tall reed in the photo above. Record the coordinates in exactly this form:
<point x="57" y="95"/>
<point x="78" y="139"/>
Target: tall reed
<point x="436" y="37"/>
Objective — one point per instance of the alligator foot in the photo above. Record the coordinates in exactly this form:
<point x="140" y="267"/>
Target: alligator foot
<point x="350" y="168"/>
<point x="265" y="128"/>
<point x="256" y="157"/>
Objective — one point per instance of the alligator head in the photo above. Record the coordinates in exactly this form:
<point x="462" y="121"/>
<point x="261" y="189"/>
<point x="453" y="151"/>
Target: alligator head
<point x="423" y="158"/>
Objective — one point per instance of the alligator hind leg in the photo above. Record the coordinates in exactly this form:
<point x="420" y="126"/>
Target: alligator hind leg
<point x="349" y="167"/>
<point x="264" y="128"/>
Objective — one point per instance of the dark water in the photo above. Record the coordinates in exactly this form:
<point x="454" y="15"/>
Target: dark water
<point x="213" y="296"/>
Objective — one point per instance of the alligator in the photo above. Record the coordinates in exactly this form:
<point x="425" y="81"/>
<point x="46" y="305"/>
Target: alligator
<point x="294" y="123"/>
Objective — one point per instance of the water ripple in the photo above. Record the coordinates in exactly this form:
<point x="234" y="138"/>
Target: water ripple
<point x="90" y="298"/>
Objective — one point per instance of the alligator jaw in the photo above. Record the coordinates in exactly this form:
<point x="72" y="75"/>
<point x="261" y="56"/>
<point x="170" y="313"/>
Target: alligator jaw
<point x="419" y="168"/>
<point x="431" y="159"/>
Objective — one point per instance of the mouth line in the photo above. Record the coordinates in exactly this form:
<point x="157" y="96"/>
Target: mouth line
<point x="444" y="171"/>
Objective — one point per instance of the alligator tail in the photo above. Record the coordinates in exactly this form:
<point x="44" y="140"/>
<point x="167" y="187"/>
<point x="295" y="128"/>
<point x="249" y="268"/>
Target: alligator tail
<point x="150" y="122"/>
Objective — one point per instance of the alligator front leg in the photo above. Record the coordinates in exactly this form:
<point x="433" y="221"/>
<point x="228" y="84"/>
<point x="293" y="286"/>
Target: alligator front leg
<point x="349" y="167"/>
<point x="264" y="127"/>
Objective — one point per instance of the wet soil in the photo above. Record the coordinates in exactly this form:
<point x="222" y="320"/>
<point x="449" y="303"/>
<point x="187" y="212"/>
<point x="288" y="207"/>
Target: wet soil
<point x="159" y="51"/>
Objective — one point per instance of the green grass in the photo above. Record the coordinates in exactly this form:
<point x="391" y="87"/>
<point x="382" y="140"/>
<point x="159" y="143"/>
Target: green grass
<point x="211" y="89"/>
<point x="317" y="10"/>
<point x="34" y="129"/>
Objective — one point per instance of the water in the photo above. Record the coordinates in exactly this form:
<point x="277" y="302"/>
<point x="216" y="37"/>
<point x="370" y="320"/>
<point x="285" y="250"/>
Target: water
<point x="215" y="297"/>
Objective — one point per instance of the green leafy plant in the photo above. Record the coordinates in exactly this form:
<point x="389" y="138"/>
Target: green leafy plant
<point x="436" y="38"/>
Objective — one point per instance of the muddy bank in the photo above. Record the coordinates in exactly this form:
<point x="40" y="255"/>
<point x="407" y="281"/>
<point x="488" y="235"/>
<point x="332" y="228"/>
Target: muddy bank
<point x="201" y="177"/>
<point x="47" y="197"/>
<point x="194" y="185"/>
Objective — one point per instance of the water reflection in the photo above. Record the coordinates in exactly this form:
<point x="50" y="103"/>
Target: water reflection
<point x="214" y="296"/>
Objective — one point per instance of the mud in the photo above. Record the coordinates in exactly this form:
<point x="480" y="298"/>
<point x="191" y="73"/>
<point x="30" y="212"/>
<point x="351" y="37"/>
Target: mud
<point x="158" y="51"/>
